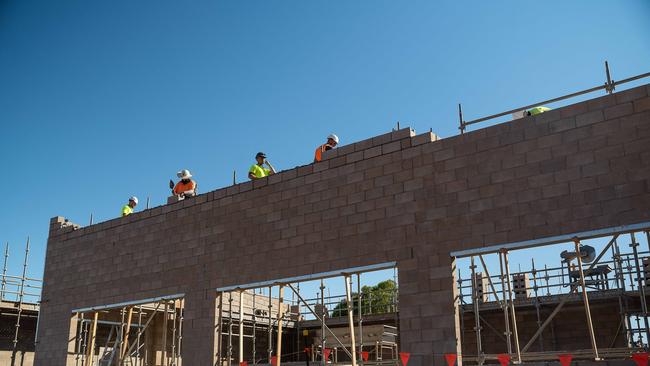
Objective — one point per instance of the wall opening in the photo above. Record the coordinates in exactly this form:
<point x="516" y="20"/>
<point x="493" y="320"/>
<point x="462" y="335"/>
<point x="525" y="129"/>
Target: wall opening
<point x="147" y="333"/>
<point x="283" y="321"/>
<point x="586" y="296"/>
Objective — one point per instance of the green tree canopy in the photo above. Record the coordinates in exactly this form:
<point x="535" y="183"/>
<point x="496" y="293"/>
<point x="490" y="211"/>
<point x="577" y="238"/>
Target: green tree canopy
<point x="378" y="299"/>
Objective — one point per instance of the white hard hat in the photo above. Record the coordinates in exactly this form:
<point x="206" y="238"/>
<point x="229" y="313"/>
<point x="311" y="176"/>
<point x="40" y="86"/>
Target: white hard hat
<point x="184" y="174"/>
<point x="333" y="137"/>
<point x="134" y="199"/>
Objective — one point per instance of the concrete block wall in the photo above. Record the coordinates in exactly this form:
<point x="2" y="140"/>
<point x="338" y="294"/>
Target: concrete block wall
<point x="568" y="330"/>
<point x="395" y="197"/>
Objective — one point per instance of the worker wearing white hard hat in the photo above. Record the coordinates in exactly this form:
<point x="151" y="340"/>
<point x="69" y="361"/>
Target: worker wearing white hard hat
<point x="332" y="141"/>
<point x="128" y="208"/>
<point x="186" y="187"/>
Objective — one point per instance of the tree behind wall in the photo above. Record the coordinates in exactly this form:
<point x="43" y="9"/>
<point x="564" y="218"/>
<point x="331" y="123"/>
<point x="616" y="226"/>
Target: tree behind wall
<point x="377" y="299"/>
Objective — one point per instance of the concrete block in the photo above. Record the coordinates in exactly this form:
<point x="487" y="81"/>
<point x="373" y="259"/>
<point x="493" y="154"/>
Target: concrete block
<point x="629" y="95"/>
<point x="619" y="110"/>
<point x="642" y="105"/>
<point x="382" y="139"/>
<point x="402" y="134"/>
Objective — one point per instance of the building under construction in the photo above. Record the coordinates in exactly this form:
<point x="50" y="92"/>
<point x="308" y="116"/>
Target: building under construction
<point x="276" y="270"/>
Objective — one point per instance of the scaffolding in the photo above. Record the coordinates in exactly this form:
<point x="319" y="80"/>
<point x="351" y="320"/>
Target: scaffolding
<point x="139" y="333"/>
<point x="313" y="329"/>
<point x="620" y="279"/>
<point x="19" y="297"/>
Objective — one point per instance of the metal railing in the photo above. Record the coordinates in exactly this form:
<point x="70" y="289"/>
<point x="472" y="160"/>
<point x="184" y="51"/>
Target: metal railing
<point x="559" y="280"/>
<point x="623" y="277"/>
<point x="609" y="86"/>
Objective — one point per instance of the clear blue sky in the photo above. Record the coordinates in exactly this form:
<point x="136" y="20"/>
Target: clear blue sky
<point x="103" y="100"/>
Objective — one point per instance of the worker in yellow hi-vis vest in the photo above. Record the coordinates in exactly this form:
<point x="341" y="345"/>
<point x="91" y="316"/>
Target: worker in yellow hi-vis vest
<point x="258" y="170"/>
<point x="537" y="110"/>
<point x="128" y="208"/>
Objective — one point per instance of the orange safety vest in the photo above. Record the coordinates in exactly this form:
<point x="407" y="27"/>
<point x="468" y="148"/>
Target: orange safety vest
<point x="320" y="150"/>
<point x="182" y="187"/>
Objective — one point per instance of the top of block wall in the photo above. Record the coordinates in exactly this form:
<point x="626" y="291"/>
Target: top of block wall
<point x="576" y="115"/>
<point x="393" y="141"/>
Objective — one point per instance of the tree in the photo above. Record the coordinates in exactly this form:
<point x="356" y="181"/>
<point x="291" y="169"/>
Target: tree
<point x="378" y="299"/>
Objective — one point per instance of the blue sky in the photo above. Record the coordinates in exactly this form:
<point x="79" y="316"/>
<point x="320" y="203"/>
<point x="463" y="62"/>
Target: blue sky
<point x="103" y="100"/>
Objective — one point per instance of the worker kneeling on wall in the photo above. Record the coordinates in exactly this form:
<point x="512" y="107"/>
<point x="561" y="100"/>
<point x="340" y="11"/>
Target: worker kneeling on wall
<point x="258" y="170"/>
<point x="186" y="187"/>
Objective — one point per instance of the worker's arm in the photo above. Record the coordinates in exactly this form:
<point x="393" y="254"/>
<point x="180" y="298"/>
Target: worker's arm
<point x="251" y="172"/>
<point x="270" y="167"/>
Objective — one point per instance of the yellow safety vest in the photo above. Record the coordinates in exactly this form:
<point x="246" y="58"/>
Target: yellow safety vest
<point x="126" y="210"/>
<point x="258" y="171"/>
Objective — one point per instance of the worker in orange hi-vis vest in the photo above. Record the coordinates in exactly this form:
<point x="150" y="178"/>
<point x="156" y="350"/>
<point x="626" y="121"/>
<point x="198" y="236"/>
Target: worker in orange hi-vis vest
<point x="186" y="187"/>
<point x="332" y="141"/>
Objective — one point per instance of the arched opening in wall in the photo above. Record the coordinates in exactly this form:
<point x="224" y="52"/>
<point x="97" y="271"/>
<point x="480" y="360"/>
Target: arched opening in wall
<point x="146" y="332"/>
<point x="583" y="294"/>
<point x="283" y="321"/>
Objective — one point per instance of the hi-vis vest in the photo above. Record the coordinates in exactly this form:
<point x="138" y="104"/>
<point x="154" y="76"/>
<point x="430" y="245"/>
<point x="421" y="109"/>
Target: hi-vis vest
<point x="320" y="150"/>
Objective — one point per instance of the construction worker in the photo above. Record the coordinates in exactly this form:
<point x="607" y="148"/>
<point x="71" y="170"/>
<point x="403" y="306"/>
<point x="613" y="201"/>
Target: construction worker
<point x="258" y="170"/>
<point x="186" y="187"/>
<point x="128" y="208"/>
<point x="537" y="110"/>
<point x="332" y="141"/>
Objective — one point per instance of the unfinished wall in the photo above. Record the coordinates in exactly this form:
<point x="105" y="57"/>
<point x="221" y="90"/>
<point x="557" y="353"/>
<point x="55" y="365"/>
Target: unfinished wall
<point x="395" y="197"/>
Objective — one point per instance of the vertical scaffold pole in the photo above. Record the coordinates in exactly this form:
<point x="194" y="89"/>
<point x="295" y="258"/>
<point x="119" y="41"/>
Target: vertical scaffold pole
<point x="585" y="299"/>
<point x="4" y="272"/>
<point x="537" y="304"/>
<point x="219" y="313"/>
<point x="254" y="328"/>
<point x="79" y="317"/>
<point x="181" y="315"/>
<point x="644" y="305"/>
<point x="137" y="341"/>
<point x="270" y="335"/>
<point x="278" y="352"/>
<point x="241" y="327"/>
<point x="460" y="118"/>
<point x="512" y="305"/>
<point x="361" y="313"/>
<point x="322" y="327"/>
<point x="174" y="319"/>
<point x="229" y="328"/>
<point x="125" y="338"/>
<point x="21" y="295"/>
<point x="91" y="341"/>
<point x="477" y="319"/>
<point x="164" y="335"/>
<point x="350" y="305"/>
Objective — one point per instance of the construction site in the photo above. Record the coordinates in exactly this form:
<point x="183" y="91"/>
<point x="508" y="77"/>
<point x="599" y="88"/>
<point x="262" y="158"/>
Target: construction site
<point x="404" y="248"/>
